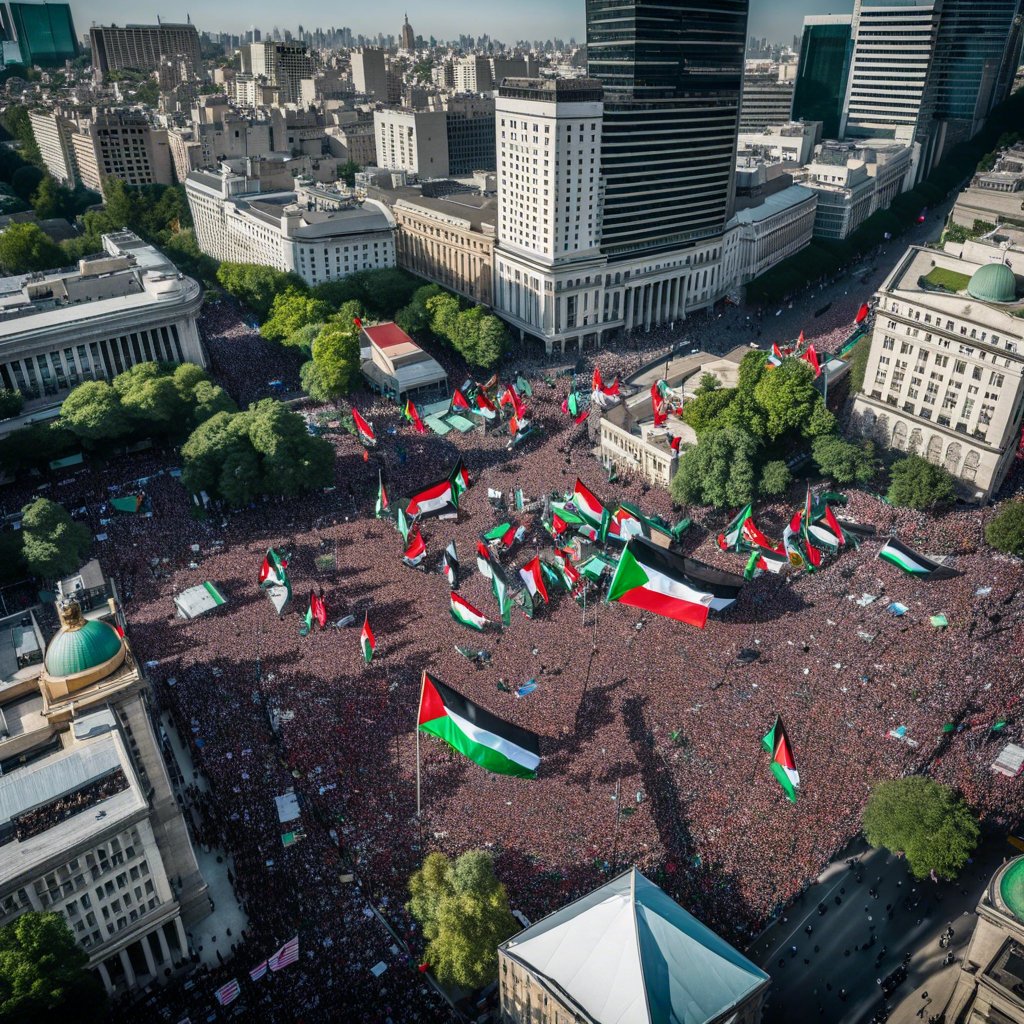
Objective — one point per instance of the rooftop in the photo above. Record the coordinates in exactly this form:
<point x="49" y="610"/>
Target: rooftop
<point x="775" y="203"/>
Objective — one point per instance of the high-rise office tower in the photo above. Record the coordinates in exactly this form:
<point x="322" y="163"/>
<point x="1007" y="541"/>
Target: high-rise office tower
<point x="142" y="47"/>
<point x="672" y="75"/>
<point x="45" y="33"/>
<point x="408" y="36"/>
<point x="820" y="91"/>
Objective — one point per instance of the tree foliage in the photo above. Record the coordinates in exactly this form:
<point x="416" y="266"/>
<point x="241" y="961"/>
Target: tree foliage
<point x="414" y="318"/>
<point x="464" y="912"/>
<point x="53" y="544"/>
<point x="35" y="446"/>
<point x="721" y="470"/>
<point x="12" y="402"/>
<point x="26" y="248"/>
<point x="787" y="397"/>
<point x="704" y="412"/>
<point x="775" y="478"/>
<point x="265" y="450"/>
<point x="1006" y="531"/>
<point x="290" y="312"/>
<point x="93" y="412"/>
<point x="478" y="336"/>
<point x="915" y="482"/>
<point x="43" y="975"/>
<point x="256" y="286"/>
<point x="928" y="822"/>
<point x="844" y="461"/>
<point x="334" y="367"/>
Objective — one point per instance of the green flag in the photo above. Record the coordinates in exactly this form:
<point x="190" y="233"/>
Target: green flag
<point x="403" y="525"/>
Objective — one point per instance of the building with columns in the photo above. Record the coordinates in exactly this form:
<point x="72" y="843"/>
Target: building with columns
<point x="945" y="376"/>
<point x="124" y="306"/>
<point x="90" y="827"/>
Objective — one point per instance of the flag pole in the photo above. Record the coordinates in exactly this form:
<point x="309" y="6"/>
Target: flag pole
<point x="419" y="708"/>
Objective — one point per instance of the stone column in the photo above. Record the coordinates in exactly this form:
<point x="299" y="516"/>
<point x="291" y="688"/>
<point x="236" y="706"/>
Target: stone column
<point x="165" y="950"/>
<point x="129" y="971"/>
<point x="105" y="977"/>
<point x="182" y="941"/>
<point x="147" y="952"/>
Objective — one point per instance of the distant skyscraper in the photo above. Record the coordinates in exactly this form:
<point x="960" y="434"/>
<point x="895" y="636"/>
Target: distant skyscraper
<point x="408" y="36"/>
<point x="672" y="73"/>
<point x="821" y="76"/>
<point x="45" y="33"/>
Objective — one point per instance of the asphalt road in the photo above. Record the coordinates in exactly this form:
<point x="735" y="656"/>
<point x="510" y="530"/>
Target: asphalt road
<point x="833" y="975"/>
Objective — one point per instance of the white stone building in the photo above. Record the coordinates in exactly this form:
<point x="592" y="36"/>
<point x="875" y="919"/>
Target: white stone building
<point x="52" y="132"/>
<point x="412" y="140"/>
<point x="772" y="231"/>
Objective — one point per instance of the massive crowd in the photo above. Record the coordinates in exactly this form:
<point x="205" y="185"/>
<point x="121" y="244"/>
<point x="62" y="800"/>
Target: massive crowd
<point x="650" y="731"/>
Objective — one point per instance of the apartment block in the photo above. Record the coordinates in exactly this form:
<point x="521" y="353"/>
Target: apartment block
<point x="142" y="47"/>
<point x="121" y="144"/>
<point x="52" y="132"/>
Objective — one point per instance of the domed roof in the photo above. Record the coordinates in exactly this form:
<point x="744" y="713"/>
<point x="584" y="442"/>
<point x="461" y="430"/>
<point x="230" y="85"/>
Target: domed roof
<point x="993" y="283"/>
<point x="83" y="647"/>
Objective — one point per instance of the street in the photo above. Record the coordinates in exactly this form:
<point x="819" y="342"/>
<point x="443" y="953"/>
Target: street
<point x="862" y="938"/>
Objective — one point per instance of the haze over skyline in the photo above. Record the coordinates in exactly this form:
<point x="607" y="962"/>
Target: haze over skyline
<point x="779" y="20"/>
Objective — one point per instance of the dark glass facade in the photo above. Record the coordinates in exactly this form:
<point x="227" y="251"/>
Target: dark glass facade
<point x="672" y="73"/>
<point x="821" y="76"/>
<point x="45" y="33"/>
<point x="471" y="143"/>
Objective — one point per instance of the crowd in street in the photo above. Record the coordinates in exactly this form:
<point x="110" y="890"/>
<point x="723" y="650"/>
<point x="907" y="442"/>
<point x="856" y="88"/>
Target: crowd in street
<point x="650" y="730"/>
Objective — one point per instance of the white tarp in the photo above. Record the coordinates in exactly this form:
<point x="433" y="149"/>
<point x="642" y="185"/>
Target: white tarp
<point x="287" y="807"/>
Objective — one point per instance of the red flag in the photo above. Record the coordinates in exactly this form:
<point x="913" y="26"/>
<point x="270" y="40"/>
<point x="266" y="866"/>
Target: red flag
<point x="812" y="357"/>
<point x="366" y="434"/>
<point x="319" y="609"/>
<point x="533" y="576"/>
<point x="674" y="443"/>
<point x="367" y="641"/>
<point x="413" y="416"/>
<point x="357" y="322"/>
<point x="800" y="340"/>
<point x="513" y="425"/>
<point x="862" y="314"/>
<point x="660" y="416"/>
<point x="508" y="538"/>
<point x="366" y="455"/>
<point x="597" y="384"/>
<point x="416" y="549"/>
<point x="558" y="525"/>
<point x="483" y="402"/>
<point x="833" y="524"/>
<point x="459" y="400"/>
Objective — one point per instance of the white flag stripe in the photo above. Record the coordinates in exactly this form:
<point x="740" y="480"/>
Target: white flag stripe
<point x="511" y="750"/>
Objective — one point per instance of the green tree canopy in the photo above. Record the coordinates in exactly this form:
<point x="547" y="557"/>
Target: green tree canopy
<point x="34" y="446"/>
<point x="844" y="461"/>
<point x="335" y="359"/>
<point x="25" y="180"/>
<point x="1006" y="531"/>
<point x="11" y="402"/>
<point x="256" y="286"/>
<point x="387" y="290"/>
<point x="775" y="478"/>
<point x="721" y="470"/>
<point x="303" y="339"/>
<point x="928" y="822"/>
<point x="43" y="975"/>
<point x="53" y="544"/>
<point x="704" y="412"/>
<point x="916" y="483"/>
<point x="291" y="311"/>
<point x="464" y="912"/>
<point x="26" y="248"/>
<point x="444" y="311"/>
<point x="787" y="397"/>
<point x="93" y="412"/>
<point x="414" y="318"/>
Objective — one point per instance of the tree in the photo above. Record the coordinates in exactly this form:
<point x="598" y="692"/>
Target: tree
<point x="36" y="445"/>
<point x="916" y="483"/>
<point x="821" y="422"/>
<point x="303" y="339"/>
<point x="336" y="358"/>
<point x="720" y="471"/>
<point x="844" y="461"/>
<point x="291" y="460"/>
<point x="928" y="822"/>
<point x="775" y="478"/>
<point x="26" y="248"/>
<point x="464" y="912"/>
<point x="54" y="545"/>
<point x="43" y="975"/>
<point x="347" y="172"/>
<point x="156" y="407"/>
<point x="387" y="290"/>
<point x="1006" y="531"/>
<point x="491" y="341"/>
<point x="414" y="318"/>
<point x="291" y="311"/>
<point x="93" y="412"/>
<point x="208" y="400"/>
<point x="256" y="286"/>
<point x="444" y="313"/>
<point x="787" y="396"/>
<point x="745" y="411"/>
<point x="11" y="403"/>
<point x="704" y="412"/>
<point x="337" y="293"/>
<point x="51" y="199"/>
<point x="25" y="180"/>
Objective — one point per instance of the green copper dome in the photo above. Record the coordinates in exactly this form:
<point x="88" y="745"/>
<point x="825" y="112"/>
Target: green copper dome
<point x="76" y="650"/>
<point x="993" y="283"/>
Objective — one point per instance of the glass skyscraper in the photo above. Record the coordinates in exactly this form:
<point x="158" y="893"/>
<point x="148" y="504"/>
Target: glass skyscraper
<point x="821" y="74"/>
<point x="45" y="33"/>
<point x="672" y="73"/>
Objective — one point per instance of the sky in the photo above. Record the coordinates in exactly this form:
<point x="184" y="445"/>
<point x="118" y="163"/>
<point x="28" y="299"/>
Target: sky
<point x="779" y="20"/>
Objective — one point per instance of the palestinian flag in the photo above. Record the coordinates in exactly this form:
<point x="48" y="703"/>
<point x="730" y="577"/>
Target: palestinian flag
<point x="558" y="526"/>
<point x="509" y="397"/>
<point x="833" y="524"/>
<point x="459" y="480"/>
<point x="730" y="540"/>
<point x="402" y="525"/>
<point x="532" y="575"/>
<point x="790" y="545"/>
<point x="316" y="612"/>
<point x="811" y="356"/>
<point x="483" y="560"/>
<point x="459" y="400"/>
<point x="590" y="509"/>
<point x="777" y="744"/>
<point x="367" y="641"/>
<point x="366" y="434"/>
<point x="280" y="594"/>
<point x="413" y="416"/>
<point x="628" y="521"/>
<point x="570" y="574"/>
<point x="464" y="613"/>
<point x="913" y="563"/>
<point x="485" y="739"/>
<point x="766" y="560"/>
<point x="597" y="384"/>
<point x="660" y="582"/>
<point x="450" y="565"/>
<point x="272" y="572"/>
<point x="432" y="500"/>
<point x="383" y="505"/>
<point x="823" y="534"/>
<point x="484" y="406"/>
<point x="499" y="584"/>
<point x="500" y="532"/>
<point x="575" y="409"/>
<point x="417" y="549"/>
<point x="812" y="554"/>
<point x="776" y="357"/>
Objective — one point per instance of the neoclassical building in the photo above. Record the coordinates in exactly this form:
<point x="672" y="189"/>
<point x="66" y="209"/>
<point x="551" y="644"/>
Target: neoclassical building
<point x="945" y="376"/>
<point x="89" y="824"/>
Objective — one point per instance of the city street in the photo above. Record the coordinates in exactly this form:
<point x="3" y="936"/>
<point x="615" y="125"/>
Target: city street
<point x="875" y="913"/>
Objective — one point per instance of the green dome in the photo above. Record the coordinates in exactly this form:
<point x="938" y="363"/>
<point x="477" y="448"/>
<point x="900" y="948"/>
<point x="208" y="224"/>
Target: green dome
<point x="993" y="283"/>
<point x="73" y="651"/>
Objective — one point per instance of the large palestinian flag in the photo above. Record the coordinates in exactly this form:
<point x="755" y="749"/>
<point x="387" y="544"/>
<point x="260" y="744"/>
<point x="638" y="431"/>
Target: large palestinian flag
<point x="911" y="562"/>
<point x="730" y="539"/>
<point x="663" y="583"/>
<point x="498" y="746"/>
<point x="459" y="480"/>
<point x="776" y="742"/>
<point x="272" y="572"/>
<point x="499" y="584"/>
<point x="628" y="521"/>
<point x="464" y="613"/>
<point x="432" y="500"/>
<point x="591" y="511"/>
<point x="533" y="576"/>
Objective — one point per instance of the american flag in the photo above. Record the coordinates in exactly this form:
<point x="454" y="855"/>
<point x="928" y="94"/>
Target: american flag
<point x="258" y="971"/>
<point x="228" y="993"/>
<point x="286" y="955"/>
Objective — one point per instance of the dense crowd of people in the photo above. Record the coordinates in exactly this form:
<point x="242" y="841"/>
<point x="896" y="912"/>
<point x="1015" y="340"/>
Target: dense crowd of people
<point x="650" y="730"/>
<point x="39" y="819"/>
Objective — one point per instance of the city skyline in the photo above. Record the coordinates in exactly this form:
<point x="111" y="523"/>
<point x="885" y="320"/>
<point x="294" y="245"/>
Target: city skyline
<point x="778" y="20"/>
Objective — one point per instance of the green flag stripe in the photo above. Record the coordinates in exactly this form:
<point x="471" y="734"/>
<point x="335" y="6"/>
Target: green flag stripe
<point x="493" y="760"/>
<point x="214" y="593"/>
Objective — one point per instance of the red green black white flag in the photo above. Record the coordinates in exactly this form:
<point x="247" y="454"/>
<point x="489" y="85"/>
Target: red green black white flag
<point x="367" y="641"/>
<point x="776" y="742"/>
